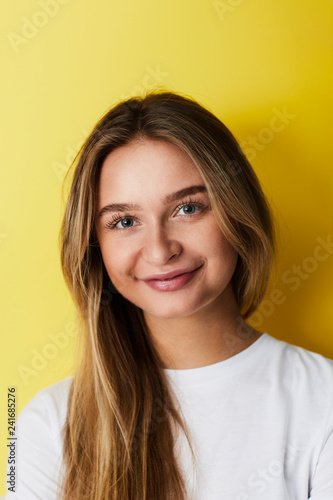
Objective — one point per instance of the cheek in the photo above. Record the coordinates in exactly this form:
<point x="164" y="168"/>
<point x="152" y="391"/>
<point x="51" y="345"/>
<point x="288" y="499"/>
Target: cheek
<point x="224" y="255"/>
<point x="118" y="261"/>
<point x="228" y="251"/>
<point x="216" y="241"/>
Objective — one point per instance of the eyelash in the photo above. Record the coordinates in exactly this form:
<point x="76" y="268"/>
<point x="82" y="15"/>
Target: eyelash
<point x="112" y="225"/>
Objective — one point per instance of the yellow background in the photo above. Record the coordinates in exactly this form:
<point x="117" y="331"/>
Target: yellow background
<point x="245" y="61"/>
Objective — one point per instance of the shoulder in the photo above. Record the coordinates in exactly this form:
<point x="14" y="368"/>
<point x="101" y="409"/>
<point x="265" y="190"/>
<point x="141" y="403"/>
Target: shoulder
<point x="55" y="394"/>
<point x="300" y="362"/>
<point x="305" y="376"/>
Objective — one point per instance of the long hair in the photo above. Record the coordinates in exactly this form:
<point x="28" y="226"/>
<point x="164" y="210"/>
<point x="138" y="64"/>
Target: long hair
<point x="123" y="418"/>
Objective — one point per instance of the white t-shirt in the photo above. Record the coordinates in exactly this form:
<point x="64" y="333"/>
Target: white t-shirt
<point x="260" y="423"/>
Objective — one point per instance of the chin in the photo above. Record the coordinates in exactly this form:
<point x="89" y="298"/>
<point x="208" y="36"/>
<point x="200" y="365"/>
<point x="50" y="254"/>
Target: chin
<point x="172" y="311"/>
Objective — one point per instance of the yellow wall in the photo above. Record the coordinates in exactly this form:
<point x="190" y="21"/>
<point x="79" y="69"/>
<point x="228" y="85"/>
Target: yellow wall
<point x="64" y="62"/>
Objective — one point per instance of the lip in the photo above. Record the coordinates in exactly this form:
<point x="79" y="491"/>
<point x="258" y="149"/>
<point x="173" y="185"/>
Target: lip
<point x="174" y="280"/>
<point x="170" y="274"/>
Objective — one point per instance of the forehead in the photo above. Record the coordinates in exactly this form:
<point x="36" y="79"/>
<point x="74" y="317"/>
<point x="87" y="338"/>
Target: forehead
<point x="145" y="168"/>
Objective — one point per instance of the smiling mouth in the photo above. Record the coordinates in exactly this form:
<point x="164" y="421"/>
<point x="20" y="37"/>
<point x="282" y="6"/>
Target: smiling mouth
<point x="170" y="275"/>
<point x="172" y="283"/>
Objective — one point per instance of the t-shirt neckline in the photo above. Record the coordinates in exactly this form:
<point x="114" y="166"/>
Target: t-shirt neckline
<point x="226" y="367"/>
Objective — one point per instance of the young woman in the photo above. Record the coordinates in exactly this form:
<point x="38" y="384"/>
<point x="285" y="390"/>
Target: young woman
<point x="167" y="244"/>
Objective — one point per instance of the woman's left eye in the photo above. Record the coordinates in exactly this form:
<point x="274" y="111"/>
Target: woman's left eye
<point x="190" y="208"/>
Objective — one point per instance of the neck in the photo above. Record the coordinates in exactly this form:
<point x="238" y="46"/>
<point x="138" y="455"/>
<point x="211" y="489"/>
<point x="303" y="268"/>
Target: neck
<point x="212" y="334"/>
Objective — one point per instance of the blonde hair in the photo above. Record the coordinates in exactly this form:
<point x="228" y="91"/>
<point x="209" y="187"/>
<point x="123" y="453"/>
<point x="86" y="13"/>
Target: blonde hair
<point x="119" y="437"/>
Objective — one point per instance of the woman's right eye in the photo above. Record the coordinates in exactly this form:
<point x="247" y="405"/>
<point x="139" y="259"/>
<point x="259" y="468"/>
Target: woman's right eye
<point x="120" y="223"/>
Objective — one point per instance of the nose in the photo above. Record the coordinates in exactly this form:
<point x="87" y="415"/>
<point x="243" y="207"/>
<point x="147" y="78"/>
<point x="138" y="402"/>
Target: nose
<point x="159" y="246"/>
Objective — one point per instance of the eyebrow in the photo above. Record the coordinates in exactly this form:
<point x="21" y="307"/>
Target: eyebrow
<point x="169" y="198"/>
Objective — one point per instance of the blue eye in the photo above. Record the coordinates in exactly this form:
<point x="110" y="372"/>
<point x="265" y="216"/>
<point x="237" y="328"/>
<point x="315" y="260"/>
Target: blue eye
<point x="190" y="208"/>
<point x="126" y="222"/>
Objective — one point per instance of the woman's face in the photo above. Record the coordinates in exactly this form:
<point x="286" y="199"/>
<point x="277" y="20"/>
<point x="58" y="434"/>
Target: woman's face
<point x="160" y="242"/>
